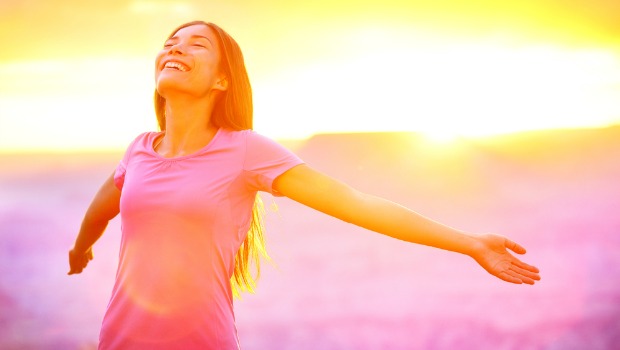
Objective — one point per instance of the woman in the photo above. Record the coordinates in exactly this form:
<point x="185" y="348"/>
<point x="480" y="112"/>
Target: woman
<point x="189" y="210"/>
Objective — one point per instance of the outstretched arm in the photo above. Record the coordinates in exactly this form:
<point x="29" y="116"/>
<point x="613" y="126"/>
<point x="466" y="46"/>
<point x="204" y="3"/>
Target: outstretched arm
<point x="323" y="193"/>
<point x="103" y="208"/>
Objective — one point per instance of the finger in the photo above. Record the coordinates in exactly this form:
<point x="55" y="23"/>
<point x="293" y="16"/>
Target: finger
<point x="525" y="275"/>
<point x="521" y="278"/>
<point x="527" y="280"/>
<point x="512" y="245"/>
<point x="525" y="266"/>
<point x="508" y="277"/>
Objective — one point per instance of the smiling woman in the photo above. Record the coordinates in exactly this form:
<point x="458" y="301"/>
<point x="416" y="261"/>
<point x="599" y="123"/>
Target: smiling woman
<point x="188" y="195"/>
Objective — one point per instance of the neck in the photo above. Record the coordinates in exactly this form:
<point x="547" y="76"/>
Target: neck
<point x="188" y="126"/>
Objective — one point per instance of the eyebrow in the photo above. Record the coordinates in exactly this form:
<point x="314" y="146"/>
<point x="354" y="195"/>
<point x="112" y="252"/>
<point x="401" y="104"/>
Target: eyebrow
<point x="194" y="36"/>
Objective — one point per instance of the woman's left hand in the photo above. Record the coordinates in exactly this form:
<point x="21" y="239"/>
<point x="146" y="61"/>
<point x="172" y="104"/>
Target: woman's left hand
<point x="493" y="255"/>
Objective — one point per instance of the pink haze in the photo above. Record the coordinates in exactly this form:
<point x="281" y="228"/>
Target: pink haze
<point x="335" y="286"/>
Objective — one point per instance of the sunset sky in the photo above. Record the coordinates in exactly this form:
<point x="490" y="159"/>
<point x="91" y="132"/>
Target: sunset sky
<point x="78" y="75"/>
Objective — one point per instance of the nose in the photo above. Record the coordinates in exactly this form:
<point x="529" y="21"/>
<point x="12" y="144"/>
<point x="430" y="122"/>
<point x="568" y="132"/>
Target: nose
<point x="176" y="49"/>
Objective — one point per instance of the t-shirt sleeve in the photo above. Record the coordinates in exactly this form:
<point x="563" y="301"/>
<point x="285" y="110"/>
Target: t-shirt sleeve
<point x="265" y="160"/>
<point x="121" y="168"/>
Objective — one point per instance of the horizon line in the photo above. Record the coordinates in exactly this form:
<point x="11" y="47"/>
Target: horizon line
<point x="294" y="141"/>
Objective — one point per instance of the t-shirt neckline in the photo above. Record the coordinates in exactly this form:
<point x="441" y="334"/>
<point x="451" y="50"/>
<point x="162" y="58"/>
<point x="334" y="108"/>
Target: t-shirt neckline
<point x="198" y="152"/>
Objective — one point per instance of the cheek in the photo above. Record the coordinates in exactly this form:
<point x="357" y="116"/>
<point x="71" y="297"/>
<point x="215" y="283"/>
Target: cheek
<point x="157" y="62"/>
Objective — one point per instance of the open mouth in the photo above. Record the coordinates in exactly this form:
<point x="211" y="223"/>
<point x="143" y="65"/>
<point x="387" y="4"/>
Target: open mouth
<point x="176" y="65"/>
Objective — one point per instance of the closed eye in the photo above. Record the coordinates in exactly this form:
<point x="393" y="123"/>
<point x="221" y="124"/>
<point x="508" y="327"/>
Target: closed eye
<point x="201" y="41"/>
<point x="195" y="40"/>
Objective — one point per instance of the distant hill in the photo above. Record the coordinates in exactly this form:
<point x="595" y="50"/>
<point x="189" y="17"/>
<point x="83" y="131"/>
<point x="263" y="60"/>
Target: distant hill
<point x="405" y="163"/>
<point x="544" y="145"/>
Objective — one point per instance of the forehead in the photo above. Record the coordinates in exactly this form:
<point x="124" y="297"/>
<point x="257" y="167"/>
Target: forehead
<point x="195" y="30"/>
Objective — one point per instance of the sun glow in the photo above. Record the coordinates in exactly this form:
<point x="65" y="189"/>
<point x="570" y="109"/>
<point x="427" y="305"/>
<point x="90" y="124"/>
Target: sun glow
<point x="419" y="69"/>
<point x="447" y="89"/>
<point x="74" y="105"/>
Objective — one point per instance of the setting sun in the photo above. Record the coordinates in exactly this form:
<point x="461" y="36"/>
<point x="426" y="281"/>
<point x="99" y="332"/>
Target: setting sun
<point x="445" y="89"/>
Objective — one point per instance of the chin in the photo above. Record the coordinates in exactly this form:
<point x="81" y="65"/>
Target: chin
<point x="166" y="85"/>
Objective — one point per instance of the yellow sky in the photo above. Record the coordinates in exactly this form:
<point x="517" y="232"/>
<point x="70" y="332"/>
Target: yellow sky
<point x="78" y="74"/>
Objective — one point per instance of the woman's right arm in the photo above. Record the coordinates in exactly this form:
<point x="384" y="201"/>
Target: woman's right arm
<point x="103" y="208"/>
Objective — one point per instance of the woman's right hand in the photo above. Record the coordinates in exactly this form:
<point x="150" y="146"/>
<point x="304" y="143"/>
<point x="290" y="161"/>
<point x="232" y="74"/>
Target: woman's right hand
<point x="78" y="261"/>
<point x="102" y="209"/>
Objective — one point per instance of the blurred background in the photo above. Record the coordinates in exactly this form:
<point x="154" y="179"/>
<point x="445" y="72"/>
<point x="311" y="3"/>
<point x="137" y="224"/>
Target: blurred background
<point x="488" y="116"/>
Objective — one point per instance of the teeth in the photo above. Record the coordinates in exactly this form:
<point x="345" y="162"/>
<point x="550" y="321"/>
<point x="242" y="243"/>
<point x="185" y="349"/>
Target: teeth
<point x="176" y="65"/>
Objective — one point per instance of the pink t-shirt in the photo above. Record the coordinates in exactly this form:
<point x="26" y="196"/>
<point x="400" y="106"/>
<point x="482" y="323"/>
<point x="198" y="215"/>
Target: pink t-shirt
<point x="183" y="220"/>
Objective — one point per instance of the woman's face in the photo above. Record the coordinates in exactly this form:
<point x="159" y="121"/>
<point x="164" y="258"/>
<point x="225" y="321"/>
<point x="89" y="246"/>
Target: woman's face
<point x="189" y="63"/>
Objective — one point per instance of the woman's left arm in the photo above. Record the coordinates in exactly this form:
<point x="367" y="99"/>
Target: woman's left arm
<point x="323" y="193"/>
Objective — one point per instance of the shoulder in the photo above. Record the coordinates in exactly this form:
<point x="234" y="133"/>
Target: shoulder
<point x="248" y="138"/>
<point x="148" y="135"/>
<point x="144" y="139"/>
<point x="252" y="143"/>
<point x="261" y="148"/>
<point x="235" y="134"/>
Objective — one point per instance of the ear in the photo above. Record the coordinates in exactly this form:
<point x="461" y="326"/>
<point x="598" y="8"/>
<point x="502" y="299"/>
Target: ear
<point x="221" y="84"/>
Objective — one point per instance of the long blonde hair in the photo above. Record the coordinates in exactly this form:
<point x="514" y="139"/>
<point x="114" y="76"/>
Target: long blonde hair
<point x="233" y="111"/>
